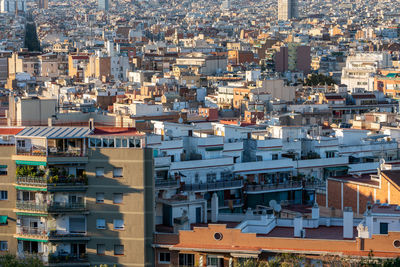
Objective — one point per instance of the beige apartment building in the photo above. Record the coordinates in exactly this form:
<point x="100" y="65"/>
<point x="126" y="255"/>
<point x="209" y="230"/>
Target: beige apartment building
<point x="77" y="196"/>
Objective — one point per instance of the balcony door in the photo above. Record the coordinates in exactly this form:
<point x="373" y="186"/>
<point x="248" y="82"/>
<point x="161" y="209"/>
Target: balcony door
<point x="78" y="250"/>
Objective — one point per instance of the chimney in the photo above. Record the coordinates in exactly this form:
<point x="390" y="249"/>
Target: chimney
<point x="214" y="208"/>
<point x="91" y="124"/>
<point x="50" y="122"/>
<point x="348" y="223"/>
<point x="315" y="211"/>
<point x="298" y="226"/>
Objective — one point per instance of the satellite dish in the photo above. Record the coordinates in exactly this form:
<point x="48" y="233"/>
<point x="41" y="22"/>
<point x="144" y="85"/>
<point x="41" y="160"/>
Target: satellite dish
<point x="277" y="208"/>
<point x="272" y="203"/>
<point x="180" y="120"/>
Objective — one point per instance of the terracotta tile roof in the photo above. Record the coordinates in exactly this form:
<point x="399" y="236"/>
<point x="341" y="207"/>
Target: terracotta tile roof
<point x="10" y="131"/>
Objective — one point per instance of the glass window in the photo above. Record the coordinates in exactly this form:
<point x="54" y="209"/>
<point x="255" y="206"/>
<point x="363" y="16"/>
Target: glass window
<point x="117" y="172"/>
<point x="117" y="142"/>
<point x="101" y="224"/>
<point x="92" y="142"/>
<point x="124" y="143"/>
<point x="3" y="195"/>
<point x="119" y="224"/>
<point x="118" y="249"/>
<point x="3" y="170"/>
<point x="99" y="172"/>
<point x="164" y="257"/>
<point x="131" y="142"/>
<point x="3" y="245"/>
<point x="111" y="142"/>
<point x="98" y="142"/>
<point x="186" y="260"/>
<point x="101" y="249"/>
<point x="99" y="197"/>
<point x="118" y="198"/>
<point x="105" y="142"/>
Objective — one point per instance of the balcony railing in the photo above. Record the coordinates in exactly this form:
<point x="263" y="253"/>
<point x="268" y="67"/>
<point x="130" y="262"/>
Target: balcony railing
<point x="68" y="258"/>
<point x="77" y="152"/>
<point x="31" y="151"/>
<point x="166" y="183"/>
<point x="213" y="186"/>
<point x="31" y="205"/>
<point x="26" y="230"/>
<point x="68" y="206"/>
<point x="272" y="187"/>
<point x="43" y="181"/>
<point x="234" y="202"/>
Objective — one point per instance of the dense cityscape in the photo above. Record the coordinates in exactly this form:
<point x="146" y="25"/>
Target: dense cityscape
<point x="199" y="133"/>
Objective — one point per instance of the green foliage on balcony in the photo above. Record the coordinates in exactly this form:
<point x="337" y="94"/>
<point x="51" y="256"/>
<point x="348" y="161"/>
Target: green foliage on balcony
<point x="29" y="171"/>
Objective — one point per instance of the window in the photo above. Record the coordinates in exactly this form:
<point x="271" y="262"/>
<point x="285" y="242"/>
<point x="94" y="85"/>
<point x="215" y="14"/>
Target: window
<point x="384" y="227"/>
<point x="186" y="260"/>
<point x="101" y="224"/>
<point x="119" y="225"/>
<point x="3" y="169"/>
<point x="101" y="249"/>
<point x="117" y="172"/>
<point x="99" y="172"/>
<point x="118" y="198"/>
<point x="212" y="261"/>
<point x="3" y="195"/>
<point x="99" y="197"/>
<point x="164" y="257"/>
<point x="3" y="246"/>
<point x="274" y="156"/>
<point x="330" y="154"/>
<point x="118" y="249"/>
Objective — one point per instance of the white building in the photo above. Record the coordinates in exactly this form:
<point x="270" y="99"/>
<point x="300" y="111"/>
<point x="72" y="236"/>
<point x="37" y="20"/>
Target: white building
<point x="9" y="6"/>
<point x="360" y="69"/>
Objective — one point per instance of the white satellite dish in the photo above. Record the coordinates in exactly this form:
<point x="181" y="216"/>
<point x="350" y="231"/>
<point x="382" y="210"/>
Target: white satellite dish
<point x="277" y="208"/>
<point x="180" y="120"/>
<point x="272" y="203"/>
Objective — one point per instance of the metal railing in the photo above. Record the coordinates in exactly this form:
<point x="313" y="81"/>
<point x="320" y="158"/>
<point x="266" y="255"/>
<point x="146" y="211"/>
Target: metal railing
<point x="31" y="205"/>
<point x="271" y="187"/>
<point x="26" y="230"/>
<point x="59" y="206"/>
<point x="212" y="186"/>
<point x="32" y="180"/>
<point x="166" y="183"/>
<point x="68" y="257"/>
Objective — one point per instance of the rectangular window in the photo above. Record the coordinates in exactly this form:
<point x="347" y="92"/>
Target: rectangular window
<point x="274" y="156"/>
<point x="118" y="249"/>
<point x="100" y="172"/>
<point x="3" y="170"/>
<point x="101" y="249"/>
<point x="3" y="245"/>
<point x="384" y="228"/>
<point x="3" y="195"/>
<point x="118" y="198"/>
<point x="99" y="197"/>
<point x="101" y="224"/>
<point x="119" y="224"/>
<point x="117" y="172"/>
<point x="186" y="260"/>
<point x="164" y="257"/>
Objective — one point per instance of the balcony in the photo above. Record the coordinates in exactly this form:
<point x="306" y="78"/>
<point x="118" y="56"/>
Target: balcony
<point x="214" y="186"/>
<point x="160" y="162"/>
<point x="54" y="235"/>
<point x="55" y="183"/>
<point x="266" y="188"/>
<point x="167" y="184"/>
<point x="38" y="232"/>
<point x="68" y="258"/>
<point x="31" y="206"/>
<point x="56" y="207"/>
<point x="32" y="181"/>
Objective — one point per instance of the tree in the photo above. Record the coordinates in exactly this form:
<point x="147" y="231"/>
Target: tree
<point x="10" y="260"/>
<point x="319" y="79"/>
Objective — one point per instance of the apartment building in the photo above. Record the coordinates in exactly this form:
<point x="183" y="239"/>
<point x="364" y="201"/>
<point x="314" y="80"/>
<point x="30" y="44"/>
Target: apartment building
<point x="69" y="192"/>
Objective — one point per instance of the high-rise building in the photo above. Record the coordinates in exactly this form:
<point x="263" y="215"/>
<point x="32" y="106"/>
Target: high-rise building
<point x="103" y="5"/>
<point x="43" y="4"/>
<point x="84" y="198"/>
<point x="288" y="9"/>
<point x="11" y="6"/>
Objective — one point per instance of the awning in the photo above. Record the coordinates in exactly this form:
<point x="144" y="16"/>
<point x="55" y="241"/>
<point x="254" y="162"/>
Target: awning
<point x="31" y="214"/>
<point x="31" y="188"/>
<point x="32" y="163"/>
<point x="32" y="239"/>
<point x="337" y="168"/>
<point x="3" y="166"/>
<point x="3" y="219"/>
